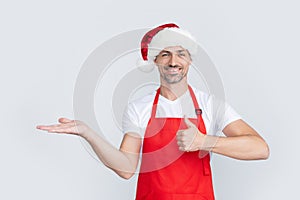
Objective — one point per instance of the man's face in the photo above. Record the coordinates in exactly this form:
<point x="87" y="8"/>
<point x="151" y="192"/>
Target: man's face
<point x="173" y="64"/>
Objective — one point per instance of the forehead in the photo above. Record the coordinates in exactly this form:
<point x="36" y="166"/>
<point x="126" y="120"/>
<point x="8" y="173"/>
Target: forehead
<point x="173" y="49"/>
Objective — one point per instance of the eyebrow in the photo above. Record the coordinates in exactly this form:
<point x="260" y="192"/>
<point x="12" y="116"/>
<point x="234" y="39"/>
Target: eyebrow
<point x="178" y="51"/>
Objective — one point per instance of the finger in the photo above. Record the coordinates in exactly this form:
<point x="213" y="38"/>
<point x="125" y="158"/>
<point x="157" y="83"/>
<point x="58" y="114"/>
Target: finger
<point x="64" y="129"/>
<point x="179" y="133"/>
<point x="188" y="122"/>
<point x="47" y="127"/>
<point x="179" y="143"/>
<point x="64" y="120"/>
<point x="181" y="148"/>
<point x="39" y="127"/>
<point x="54" y="127"/>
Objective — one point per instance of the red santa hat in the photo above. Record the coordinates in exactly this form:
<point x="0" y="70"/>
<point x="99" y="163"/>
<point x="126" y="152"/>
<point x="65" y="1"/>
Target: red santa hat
<point x="164" y="36"/>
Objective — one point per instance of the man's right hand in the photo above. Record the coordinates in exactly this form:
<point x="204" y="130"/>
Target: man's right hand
<point x="67" y="126"/>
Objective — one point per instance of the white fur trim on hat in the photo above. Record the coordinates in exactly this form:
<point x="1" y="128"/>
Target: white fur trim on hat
<point x="171" y="37"/>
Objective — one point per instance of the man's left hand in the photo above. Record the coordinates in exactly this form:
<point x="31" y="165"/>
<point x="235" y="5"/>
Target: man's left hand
<point x="190" y="139"/>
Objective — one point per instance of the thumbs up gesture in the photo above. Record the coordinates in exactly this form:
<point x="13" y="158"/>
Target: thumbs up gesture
<point x="190" y="139"/>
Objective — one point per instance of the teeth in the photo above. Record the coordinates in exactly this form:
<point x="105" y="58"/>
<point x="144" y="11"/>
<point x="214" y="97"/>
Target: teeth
<point x="173" y="69"/>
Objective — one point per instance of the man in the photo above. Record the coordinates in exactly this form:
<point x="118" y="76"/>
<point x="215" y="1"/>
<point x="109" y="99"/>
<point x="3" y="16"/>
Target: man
<point x="174" y="128"/>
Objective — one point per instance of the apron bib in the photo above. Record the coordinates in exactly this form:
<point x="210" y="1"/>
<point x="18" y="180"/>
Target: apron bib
<point x="167" y="173"/>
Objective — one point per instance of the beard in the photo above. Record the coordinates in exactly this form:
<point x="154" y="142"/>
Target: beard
<point x="172" y="74"/>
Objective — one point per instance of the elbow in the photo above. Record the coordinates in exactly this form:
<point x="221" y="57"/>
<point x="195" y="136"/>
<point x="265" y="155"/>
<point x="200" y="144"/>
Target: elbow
<point x="265" y="152"/>
<point x="262" y="150"/>
<point x="126" y="175"/>
<point x="259" y="151"/>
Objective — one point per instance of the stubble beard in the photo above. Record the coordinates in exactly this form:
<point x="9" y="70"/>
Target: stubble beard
<point x="172" y="78"/>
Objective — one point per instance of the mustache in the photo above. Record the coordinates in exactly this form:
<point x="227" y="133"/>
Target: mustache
<point x="171" y="66"/>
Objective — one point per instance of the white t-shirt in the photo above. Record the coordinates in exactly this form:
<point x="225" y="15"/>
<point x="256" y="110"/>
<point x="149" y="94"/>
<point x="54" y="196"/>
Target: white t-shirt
<point x="216" y="114"/>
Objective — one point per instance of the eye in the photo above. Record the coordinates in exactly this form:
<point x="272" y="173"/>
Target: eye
<point x="165" y="54"/>
<point x="182" y="54"/>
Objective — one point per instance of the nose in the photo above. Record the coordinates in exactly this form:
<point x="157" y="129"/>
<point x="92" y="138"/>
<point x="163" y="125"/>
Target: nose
<point x="173" y="60"/>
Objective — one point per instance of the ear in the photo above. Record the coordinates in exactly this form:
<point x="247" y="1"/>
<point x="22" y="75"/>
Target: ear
<point x="155" y="61"/>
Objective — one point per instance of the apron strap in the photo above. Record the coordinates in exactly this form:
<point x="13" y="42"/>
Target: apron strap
<point x="201" y="127"/>
<point x="154" y="107"/>
<point x="198" y="111"/>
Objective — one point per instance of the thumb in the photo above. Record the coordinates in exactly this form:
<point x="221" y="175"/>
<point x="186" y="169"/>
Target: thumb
<point x="64" y="120"/>
<point x="188" y="122"/>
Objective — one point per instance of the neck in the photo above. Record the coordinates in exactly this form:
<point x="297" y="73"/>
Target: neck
<point x="173" y="91"/>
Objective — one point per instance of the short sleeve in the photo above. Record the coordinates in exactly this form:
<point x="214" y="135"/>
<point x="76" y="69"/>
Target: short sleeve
<point x="230" y="115"/>
<point x="223" y="114"/>
<point x="130" y="120"/>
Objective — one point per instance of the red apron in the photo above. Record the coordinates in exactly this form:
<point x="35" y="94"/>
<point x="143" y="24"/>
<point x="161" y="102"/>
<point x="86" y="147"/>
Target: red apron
<point x="167" y="173"/>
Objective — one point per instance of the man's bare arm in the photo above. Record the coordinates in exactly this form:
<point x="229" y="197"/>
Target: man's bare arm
<point x="240" y="142"/>
<point x="123" y="161"/>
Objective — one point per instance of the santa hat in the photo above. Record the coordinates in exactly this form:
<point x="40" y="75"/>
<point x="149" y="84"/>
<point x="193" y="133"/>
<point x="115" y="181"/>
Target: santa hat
<point x="161" y="37"/>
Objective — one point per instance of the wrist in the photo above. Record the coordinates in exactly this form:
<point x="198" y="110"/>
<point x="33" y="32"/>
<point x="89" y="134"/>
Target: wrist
<point x="209" y="142"/>
<point x="89" y="135"/>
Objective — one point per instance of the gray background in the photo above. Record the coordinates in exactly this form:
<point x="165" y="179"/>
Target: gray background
<point x="254" y="45"/>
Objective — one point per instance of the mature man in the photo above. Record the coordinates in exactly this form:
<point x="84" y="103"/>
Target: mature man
<point x="173" y="127"/>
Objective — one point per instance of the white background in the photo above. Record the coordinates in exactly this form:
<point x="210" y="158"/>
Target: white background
<point x="43" y="44"/>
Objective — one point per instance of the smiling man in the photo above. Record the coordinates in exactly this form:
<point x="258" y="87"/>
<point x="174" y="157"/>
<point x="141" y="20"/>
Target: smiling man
<point x="170" y="69"/>
<point x="173" y="128"/>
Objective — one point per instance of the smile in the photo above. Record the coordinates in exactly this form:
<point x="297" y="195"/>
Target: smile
<point x="172" y="70"/>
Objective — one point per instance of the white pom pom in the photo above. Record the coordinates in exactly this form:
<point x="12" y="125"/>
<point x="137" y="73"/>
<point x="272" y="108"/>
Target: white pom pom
<point x="145" y="65"/>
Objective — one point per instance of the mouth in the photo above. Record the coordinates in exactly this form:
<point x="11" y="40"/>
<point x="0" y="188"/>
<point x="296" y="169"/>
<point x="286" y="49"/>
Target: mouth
<point x="173" y="69"/>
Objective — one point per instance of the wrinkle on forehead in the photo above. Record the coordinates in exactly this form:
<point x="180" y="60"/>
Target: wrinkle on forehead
<point x="174" y="49"/>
